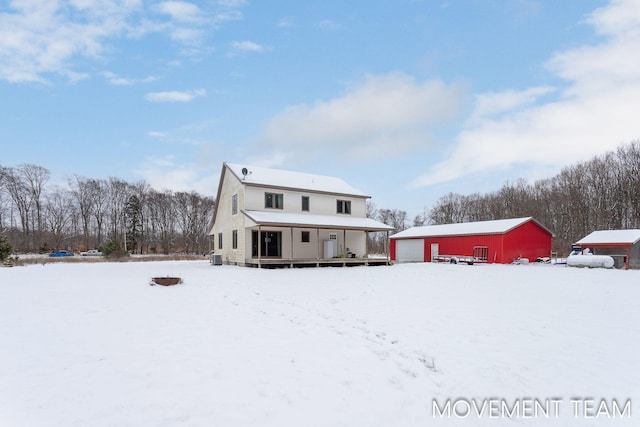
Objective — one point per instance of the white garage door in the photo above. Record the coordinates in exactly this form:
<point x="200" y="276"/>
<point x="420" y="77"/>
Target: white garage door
<point x="410" y="250"/>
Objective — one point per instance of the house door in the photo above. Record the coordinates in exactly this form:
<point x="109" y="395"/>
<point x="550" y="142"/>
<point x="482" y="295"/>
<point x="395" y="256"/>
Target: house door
<point x="434" y="250"/>
<point x="270" y="243"/>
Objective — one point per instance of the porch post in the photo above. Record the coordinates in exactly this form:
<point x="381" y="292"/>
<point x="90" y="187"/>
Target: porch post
<point x="366" y="243"/>
<point x="259" y="246"/>
<point x="386" y="246"/>
<point x="291" y="250"/>
<point x="344" y="243"/>
<point x="626" y="264"/>
<point x="319" y="245"/>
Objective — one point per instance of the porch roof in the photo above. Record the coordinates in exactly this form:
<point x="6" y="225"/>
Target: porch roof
<point x="604" y="237"/>
<point x="285" y="219"/>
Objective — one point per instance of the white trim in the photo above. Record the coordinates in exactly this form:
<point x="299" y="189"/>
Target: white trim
<point x="307" y="220"/>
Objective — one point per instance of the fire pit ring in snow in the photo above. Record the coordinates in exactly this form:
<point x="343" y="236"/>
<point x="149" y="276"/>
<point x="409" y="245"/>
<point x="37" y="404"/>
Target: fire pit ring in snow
<point x="165" y="281"/>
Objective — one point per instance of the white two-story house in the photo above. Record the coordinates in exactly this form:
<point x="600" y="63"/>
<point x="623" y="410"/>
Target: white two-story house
<point x="268" y="217"/>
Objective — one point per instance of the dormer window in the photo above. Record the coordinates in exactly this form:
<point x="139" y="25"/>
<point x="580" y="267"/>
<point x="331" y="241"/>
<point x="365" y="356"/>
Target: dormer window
<point x="273" y="200"/>
<point x="344" y="207"/>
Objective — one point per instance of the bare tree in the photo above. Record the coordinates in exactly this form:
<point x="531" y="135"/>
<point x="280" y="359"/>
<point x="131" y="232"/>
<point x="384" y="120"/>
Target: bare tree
<point x="4" y="202"/>
<point x="18" y="190"/>
<point x="394" y="217"/>
<point x="450" y="208"/>
<point x="370" y="209"/>
<point x="99" y="200"/>
<point x="35" y="178"/>
<point x="81" y="190"/>
<point x="162" y="211"/>
<point x="117" y="191"/>
<point x="193" y="213"/>
<point x="59" y="208"/>
<point x="141" y="191"/>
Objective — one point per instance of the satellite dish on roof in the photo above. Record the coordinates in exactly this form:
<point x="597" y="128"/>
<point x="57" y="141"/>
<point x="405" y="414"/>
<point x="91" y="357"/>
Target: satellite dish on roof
<point x="245" y="172"/>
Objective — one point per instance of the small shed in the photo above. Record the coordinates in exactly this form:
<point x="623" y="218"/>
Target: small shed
<point x="622" y="245"/>
<point x="499" y="241"/>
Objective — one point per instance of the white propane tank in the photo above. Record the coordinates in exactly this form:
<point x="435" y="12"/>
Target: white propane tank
<point x="589" y="260"/>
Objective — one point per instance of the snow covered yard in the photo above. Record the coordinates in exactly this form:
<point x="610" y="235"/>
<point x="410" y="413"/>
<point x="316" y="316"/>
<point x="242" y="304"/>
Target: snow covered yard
<point x="95" y="345"/>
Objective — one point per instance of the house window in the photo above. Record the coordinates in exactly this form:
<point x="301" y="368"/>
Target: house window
<point x="344" y="206"/>
<point x="234" y="239"/>
<point x="306" y="237"/>
<point x="219" y="240"/>
<point x="234" y="204"/>
<point x="273" y="200"/>
<point x="305" y="203"/>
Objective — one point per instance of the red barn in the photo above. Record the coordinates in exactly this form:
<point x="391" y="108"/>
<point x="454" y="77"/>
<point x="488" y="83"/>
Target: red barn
<point x="500" y="241"/>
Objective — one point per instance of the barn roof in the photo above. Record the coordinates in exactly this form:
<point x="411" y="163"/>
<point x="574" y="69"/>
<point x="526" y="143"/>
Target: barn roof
<point x="284" y="219"/>
<point x="295" y="180"/>
<point x="603" y="237"/>
<point x="499" y="226"/>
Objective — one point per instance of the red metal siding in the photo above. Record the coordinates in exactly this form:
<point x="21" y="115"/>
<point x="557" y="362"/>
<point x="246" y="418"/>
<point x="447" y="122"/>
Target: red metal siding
<point x="392" y="249"/>
<point x="527" y="241"/>
<point x="463" y="245"/>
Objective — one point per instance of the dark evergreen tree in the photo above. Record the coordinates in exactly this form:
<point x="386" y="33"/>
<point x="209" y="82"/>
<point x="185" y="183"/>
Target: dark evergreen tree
<point x="5" y="248"/>
<point x="133" y="221"/>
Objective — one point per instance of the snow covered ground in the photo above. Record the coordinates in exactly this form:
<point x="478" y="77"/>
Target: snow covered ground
<point x="94" y="345"/>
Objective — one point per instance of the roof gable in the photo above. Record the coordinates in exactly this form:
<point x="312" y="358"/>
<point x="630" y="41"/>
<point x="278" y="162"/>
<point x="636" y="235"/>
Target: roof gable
<point x="499" y="226"/>
<point x="267" y="177"/>
<point x="630" y="237"/>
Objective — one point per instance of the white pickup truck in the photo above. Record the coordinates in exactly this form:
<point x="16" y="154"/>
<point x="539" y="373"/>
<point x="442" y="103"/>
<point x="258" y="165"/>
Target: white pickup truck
<point x="92" y="252"/>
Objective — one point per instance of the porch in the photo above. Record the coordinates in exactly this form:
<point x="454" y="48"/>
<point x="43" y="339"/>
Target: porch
<point x="278" y="240"/>
<point x="326" y="262"/>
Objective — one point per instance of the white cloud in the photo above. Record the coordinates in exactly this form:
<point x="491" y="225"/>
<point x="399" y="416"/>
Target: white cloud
<point x="43" y="37"/>
<point x="381" y="116"/>
<point x="116" y="80"/>
<point x="247" y="46"/>
<point x="231" y="4"/>
<point x="494" y="104"/>
<point x="167" y="173"/>
<point x="594" y="112"/>
<point x="328" y="25"/>
<point x="39" y="37"/>
<point x="175" y="96"/>
<point x="157" y="134"/>
<point x="181" y="11"/>
<point x="287" y="21"/>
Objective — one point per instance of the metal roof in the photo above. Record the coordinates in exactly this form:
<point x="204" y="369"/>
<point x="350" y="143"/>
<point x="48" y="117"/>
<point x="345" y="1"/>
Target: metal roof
<point x="602" y="237"/>
<point x="284" y="219"/>
<point x="295" y="180"/>
<point x="499" y="226"/>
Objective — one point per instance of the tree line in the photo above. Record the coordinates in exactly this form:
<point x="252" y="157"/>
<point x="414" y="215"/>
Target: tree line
<point x="90" y="213"/>
<point x="600" y="194"/>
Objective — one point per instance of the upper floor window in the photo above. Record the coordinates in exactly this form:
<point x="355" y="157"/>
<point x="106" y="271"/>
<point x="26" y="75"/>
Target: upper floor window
<point x="234" y="204"/>
<point x="344" y="206"/>
<point x="305" y="236"/>
<point x="273" y="200"/>
<point x="305" y="203"/>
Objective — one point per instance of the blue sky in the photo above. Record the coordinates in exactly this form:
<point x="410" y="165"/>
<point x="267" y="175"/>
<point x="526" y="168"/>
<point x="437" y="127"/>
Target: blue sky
<point x="405" y="100"/>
